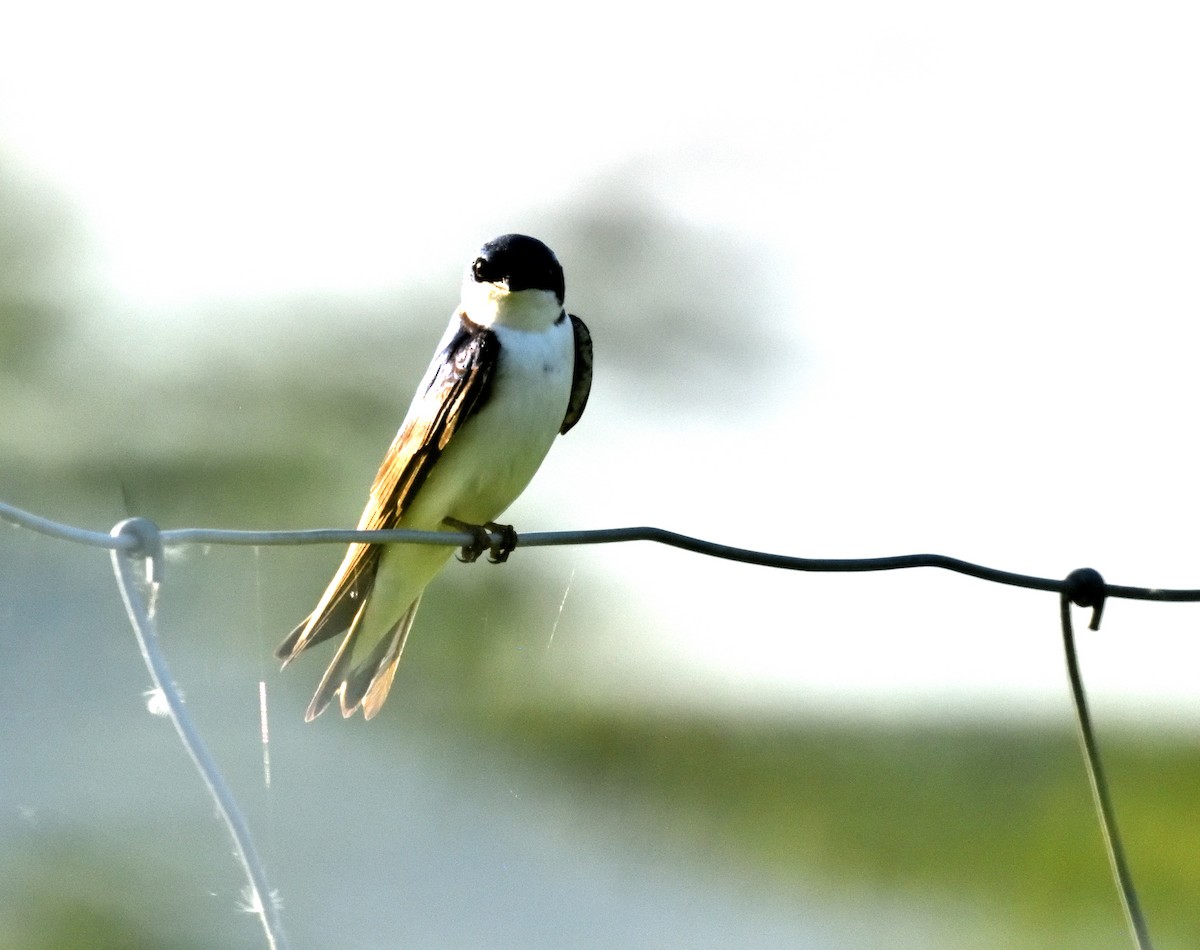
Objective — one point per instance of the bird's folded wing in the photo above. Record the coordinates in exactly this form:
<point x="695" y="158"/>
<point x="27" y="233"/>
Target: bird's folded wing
<point x="456" y="385"/>
<point x="581" y="377"/>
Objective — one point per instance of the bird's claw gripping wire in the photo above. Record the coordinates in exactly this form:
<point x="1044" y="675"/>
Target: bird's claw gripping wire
<point x="503" y="541"/>
<point x="498" y="540"/>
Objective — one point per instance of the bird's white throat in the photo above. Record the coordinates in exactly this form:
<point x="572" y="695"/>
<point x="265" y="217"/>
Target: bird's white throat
<point x="489" y="304"/>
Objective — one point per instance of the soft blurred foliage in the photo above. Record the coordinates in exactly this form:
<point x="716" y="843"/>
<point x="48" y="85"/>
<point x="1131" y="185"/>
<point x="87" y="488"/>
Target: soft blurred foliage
<point x="69" y="889"/>
<point x="277" y="422"/>
<point x="36" y="241"/>
<point x="686" y="330"/>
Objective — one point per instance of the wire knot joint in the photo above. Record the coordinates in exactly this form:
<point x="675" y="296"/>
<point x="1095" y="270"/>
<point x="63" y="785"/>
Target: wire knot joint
<point x="1086" y="588"/>
<point x="147" y="544"/>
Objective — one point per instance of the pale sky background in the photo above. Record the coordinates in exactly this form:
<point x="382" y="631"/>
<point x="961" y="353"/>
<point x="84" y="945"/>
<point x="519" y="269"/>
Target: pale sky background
<point x="982" y="226"/>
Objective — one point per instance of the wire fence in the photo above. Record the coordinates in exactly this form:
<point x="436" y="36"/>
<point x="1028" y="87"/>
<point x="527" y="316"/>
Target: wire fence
<point x="137" y="540"/>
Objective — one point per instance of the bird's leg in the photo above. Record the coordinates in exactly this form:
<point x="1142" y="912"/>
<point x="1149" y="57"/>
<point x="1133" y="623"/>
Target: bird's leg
<point x="499" y="551"/>
<point x="483" y="541"/>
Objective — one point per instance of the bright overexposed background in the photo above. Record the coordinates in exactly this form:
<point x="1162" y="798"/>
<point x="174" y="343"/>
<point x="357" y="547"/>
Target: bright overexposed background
<point x="941" y="260"/>
<point x="974" y="230"/>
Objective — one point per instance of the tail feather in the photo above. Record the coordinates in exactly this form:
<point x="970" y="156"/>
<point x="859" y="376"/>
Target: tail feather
<point x="370" y="681"/>
<point x="366" y="684"/>
<point x="337" y="619"/>
<point x="287" y="650"/>
<point x="335" y="676"/>
<point x="340" y="605"/>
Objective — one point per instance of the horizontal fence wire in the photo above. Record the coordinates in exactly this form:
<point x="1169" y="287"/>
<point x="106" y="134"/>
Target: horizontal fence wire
<point x="139" y="538"/>
<point x="540" y="539"/>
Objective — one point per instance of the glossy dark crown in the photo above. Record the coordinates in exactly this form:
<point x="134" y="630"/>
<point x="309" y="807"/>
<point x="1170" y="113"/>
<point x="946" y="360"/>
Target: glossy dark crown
<point x="525" y="263"/>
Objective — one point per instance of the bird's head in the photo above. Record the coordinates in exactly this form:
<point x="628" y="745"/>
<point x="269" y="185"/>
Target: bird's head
<point x="514" y="281"/>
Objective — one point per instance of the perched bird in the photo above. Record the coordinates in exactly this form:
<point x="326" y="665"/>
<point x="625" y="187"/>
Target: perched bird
<point x="513" y="370"/>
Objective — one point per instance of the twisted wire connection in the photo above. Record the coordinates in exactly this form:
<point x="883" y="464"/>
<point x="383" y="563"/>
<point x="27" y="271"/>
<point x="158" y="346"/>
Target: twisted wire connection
<point x="140" y="538"/>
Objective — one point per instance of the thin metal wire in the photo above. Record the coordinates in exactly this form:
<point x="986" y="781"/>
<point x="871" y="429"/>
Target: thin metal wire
<point x="64" y="532"/>
<point x="1134" y="918"/>
<point x="535" y="539"/>
<point x="261" y="903"/>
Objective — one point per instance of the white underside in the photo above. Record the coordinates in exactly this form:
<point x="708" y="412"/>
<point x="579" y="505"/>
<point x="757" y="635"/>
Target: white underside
<point x="485" y="467"/>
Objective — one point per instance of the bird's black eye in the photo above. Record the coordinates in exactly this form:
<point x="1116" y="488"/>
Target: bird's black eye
<point x="488" y="270"/>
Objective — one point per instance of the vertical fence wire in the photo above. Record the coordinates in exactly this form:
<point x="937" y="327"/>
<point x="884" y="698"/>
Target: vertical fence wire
<point x="1087" y="590"/>
<point x="261" y="901"/>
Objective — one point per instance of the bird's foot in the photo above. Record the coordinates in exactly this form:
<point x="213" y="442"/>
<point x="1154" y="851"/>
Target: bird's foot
<point x="499" y="550"/>
<point x="498" y="547"/>
<point x="470" y="552"/>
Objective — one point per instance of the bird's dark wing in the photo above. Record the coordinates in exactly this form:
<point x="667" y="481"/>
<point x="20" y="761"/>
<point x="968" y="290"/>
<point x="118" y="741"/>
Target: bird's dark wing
<point x="456" y="385"/>
<point x="581" y="380"/>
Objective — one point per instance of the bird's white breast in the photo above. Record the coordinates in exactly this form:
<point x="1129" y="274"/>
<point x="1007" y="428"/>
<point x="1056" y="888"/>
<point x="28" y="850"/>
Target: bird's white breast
<point x="494" y="455"/>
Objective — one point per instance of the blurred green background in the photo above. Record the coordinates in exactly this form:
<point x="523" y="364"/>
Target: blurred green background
<point x="570" y="756"/>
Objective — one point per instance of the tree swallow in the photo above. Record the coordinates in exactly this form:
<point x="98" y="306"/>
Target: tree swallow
<point x="513" y="370"/>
